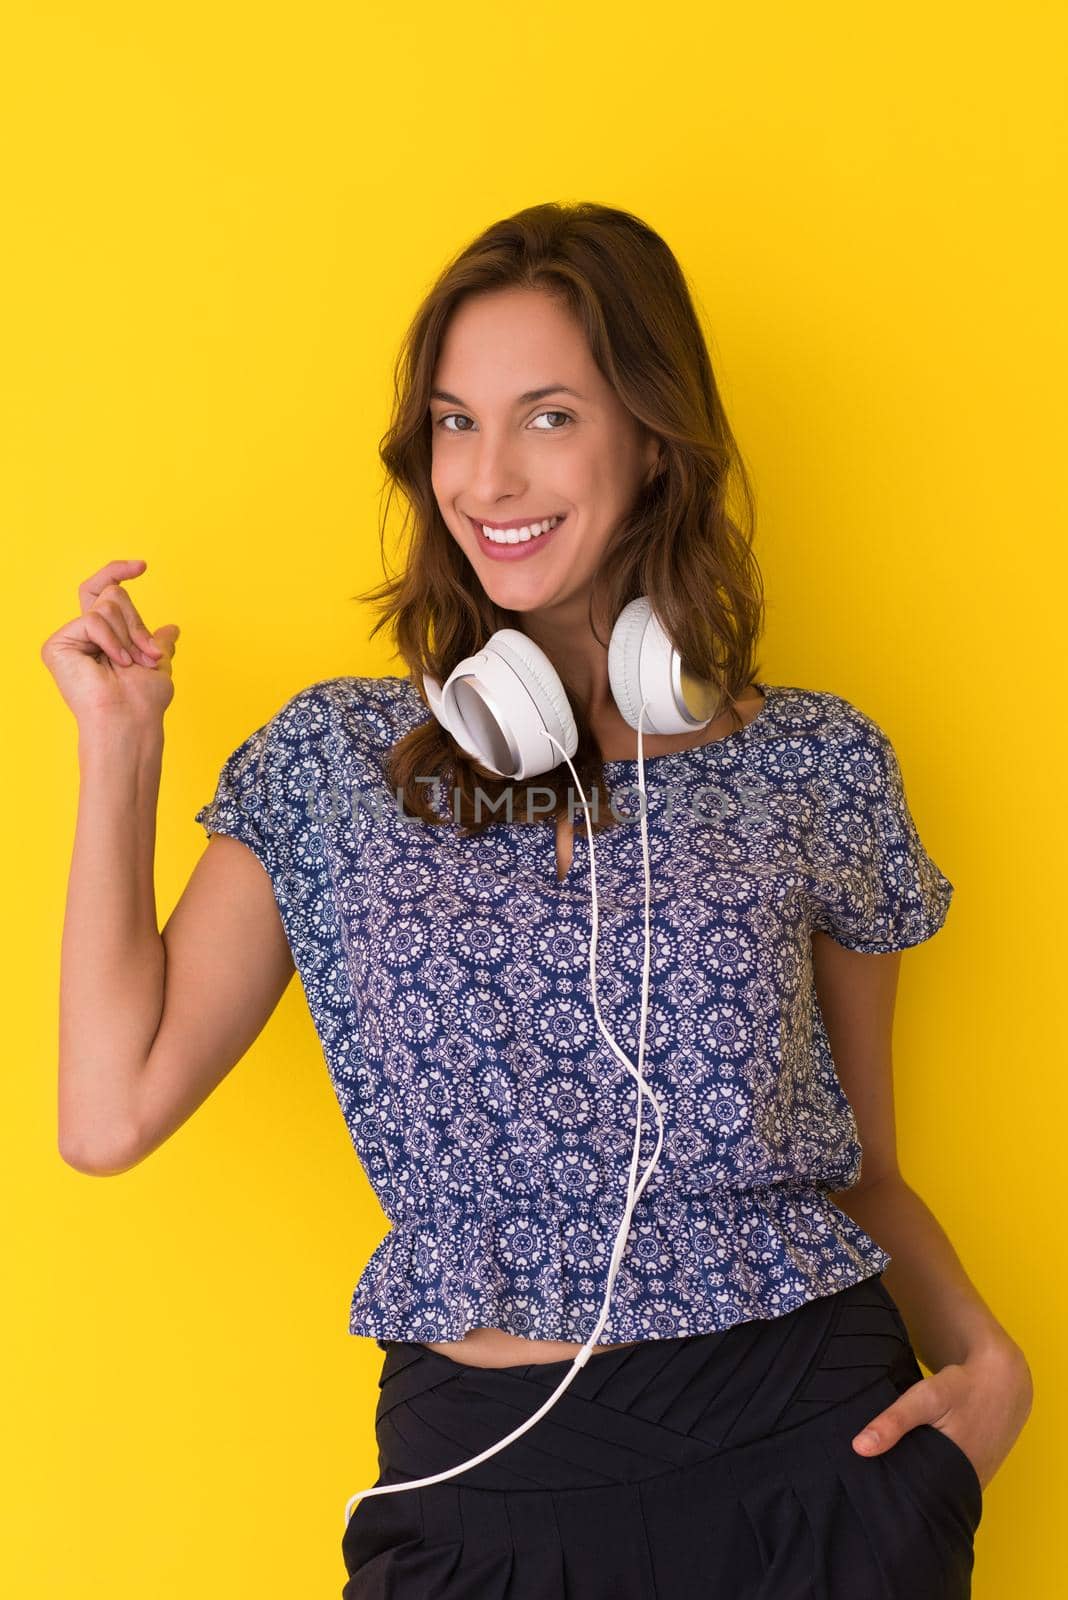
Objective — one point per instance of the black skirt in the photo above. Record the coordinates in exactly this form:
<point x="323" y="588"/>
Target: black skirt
<point x="677" y="1469"/>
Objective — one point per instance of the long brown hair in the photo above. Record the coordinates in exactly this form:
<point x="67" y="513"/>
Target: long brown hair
<point x="679" y="543"/>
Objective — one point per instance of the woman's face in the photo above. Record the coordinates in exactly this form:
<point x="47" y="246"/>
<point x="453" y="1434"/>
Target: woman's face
<point x="501" y="456"/>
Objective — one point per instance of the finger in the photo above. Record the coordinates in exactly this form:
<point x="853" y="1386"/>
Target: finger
<point x="128" y="624"/>
<point x="166" y="637"/>
<point x="115" y="616"/>
<point x="114" y="572"/>
<point x="885" y="1429"/>
<point x="99" y="630"/>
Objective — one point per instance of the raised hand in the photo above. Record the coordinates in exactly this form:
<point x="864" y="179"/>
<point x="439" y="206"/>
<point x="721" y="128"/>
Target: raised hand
<point x="105" y="661"/>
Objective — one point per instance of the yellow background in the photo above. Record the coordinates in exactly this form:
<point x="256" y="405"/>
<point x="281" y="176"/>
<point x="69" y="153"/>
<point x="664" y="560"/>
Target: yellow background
<point x="217" y="223"/>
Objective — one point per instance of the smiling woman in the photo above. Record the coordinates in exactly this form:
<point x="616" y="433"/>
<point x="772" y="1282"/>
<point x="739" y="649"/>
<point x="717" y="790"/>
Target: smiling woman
<point x="581" y="572"/>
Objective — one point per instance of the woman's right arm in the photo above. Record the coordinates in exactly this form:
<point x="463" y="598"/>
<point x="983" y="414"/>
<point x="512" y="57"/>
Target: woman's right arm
<point x="150" y="1022"/>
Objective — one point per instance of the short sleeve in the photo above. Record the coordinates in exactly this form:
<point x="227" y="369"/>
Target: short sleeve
<point x="877" y="890"/>
<point x="240" y="807"/>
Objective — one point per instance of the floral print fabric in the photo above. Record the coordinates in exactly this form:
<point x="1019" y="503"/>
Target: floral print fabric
<point x="448" y="979"/>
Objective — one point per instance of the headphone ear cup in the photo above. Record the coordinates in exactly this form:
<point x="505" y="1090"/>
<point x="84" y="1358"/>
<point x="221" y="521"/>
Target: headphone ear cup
<point x="549" y="708"/>
<point x="643" y="664"/>
<point x="439" y="705"/>
<point x="499" y="703"/>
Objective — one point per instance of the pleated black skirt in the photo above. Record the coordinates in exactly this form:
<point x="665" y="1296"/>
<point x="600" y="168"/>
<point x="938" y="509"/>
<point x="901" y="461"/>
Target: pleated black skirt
<point x="716" y="1467"/>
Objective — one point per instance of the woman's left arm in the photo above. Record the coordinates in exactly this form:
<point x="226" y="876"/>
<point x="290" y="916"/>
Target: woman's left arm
<point x="980" y="1389"/>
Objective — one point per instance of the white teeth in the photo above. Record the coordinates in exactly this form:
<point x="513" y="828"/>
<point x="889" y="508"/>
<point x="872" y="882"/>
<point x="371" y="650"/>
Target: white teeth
<point x="518" y="535"/>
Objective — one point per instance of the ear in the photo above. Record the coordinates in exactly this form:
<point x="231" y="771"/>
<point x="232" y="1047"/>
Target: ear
<point x="654" y="460"/>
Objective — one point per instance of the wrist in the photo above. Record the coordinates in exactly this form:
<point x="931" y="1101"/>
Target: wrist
<point x="110" y="738"/>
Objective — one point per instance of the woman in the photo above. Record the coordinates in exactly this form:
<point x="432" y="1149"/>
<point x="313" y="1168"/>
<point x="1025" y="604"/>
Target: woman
<point x="556" y="383"/>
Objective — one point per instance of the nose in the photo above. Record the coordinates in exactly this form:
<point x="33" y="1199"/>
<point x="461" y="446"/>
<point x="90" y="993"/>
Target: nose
<point x="496" y="470"/>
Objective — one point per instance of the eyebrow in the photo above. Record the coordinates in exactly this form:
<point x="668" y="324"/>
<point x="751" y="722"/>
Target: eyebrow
<point x="523" y="399"/>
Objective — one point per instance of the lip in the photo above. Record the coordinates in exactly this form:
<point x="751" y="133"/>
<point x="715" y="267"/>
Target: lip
<point x="513" y="552"/>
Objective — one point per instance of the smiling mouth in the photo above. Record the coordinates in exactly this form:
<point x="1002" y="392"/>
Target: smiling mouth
<point x="517" y="535"/>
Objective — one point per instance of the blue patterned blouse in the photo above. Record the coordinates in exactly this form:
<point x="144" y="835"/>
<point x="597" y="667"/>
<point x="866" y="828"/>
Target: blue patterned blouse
<point x="447" y="975"/>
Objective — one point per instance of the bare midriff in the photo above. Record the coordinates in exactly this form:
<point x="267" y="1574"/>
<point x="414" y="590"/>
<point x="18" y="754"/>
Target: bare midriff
<point x="492" y="1347"/>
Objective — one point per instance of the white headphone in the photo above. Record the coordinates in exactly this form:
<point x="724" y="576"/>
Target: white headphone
<point x="507" y="708"/>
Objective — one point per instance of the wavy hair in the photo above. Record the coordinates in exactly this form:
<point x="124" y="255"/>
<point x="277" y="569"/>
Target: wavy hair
<point x="680" y="543"/>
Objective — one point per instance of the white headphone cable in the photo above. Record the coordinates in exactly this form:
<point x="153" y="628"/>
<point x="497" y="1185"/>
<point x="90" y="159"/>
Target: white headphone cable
<point x="633" y="1192"/>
